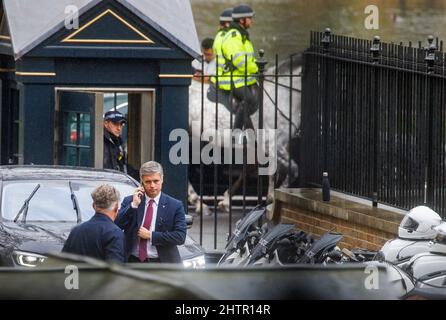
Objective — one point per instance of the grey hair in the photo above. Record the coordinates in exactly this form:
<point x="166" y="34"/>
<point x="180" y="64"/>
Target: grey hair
<point x="105" y="196"/>
<point x="151" y="167"/>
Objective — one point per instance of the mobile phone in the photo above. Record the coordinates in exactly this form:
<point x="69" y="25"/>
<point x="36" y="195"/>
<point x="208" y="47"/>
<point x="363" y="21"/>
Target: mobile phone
<point x="140" y="193"/>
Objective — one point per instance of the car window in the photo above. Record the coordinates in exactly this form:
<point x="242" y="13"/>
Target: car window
<point x="52" y="201"/>
<point x="83" y="189"/>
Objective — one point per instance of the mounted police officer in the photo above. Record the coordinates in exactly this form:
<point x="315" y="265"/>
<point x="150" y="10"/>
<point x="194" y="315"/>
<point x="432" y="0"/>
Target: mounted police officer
<point x="114" y="153"/>
<point x="225" y="24"/>
<point x="223" y="94"/>
<point x="240" y="66"/>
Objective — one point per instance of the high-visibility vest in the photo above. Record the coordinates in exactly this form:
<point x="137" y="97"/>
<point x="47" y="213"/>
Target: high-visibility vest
<point x="219" y="57"/>
<point x="242" y="55"/>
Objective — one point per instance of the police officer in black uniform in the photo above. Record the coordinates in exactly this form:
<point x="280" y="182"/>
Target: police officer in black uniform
<point x="114" y="153"/>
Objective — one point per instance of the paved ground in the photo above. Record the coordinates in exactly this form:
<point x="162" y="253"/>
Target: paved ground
<point x="207" y="239"/>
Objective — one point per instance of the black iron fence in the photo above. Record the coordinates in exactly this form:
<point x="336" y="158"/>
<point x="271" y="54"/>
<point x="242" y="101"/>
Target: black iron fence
<point x="373" y="117"/>
<point x="210" y="180"/>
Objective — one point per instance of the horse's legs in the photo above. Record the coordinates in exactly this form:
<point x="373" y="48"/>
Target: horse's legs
<point x="271" y="187"/>
<point x="224" y="204"/>
<point x="194" y="199"/>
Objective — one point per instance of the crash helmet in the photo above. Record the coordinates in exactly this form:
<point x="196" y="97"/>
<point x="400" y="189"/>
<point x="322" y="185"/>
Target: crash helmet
<point x="439" y="243"/>
<point x="242" y="11"/>
<point x="419" y="224"/>
<point x="226" y="15"/>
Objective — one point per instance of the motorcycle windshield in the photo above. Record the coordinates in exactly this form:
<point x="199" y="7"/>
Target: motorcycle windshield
<point x="328" y="240"/>
<point x="268" y="240"/>
<point x="238" y="236"/>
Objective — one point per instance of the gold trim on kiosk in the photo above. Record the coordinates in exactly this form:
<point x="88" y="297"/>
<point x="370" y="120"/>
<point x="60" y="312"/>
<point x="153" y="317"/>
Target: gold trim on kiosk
<point x="176" y="76"/>
<point x="144" y="39"/>
<point x="36" y="74"/>
<point x="6" y="70"/>
<point x="2" y="24"/>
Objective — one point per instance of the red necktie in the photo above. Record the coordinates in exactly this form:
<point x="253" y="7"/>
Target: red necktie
<point x="147" y="223"/>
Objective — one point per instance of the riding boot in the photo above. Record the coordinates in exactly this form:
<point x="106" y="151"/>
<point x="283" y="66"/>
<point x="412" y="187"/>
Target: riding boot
<point x="239" y="118"/>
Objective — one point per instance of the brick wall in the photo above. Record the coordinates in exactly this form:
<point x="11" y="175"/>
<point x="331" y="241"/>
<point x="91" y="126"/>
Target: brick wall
<point x="362" y="226"/>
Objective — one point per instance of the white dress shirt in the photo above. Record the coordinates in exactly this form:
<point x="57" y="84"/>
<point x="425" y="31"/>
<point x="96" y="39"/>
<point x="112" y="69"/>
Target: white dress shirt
<point x="151" y="250"/>
<point x="209" y="67"/>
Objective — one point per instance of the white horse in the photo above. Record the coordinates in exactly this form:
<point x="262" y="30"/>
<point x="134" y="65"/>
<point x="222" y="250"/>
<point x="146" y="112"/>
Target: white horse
<point x="283" y="123"/>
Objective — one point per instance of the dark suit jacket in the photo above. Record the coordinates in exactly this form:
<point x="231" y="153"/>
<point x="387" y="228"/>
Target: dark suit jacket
<point x="98" y="238"/>
<point x="170" y="226"/>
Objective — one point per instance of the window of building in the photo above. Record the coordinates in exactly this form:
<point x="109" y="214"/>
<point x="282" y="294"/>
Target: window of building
<point x="76" y="139"/>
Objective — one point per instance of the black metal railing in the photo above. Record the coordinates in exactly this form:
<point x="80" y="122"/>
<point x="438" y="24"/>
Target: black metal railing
<point x="212" y="180"/>
<point x="373" y="117"/>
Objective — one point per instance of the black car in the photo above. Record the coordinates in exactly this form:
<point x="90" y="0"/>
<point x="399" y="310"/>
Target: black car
<point x="39" y="205"/>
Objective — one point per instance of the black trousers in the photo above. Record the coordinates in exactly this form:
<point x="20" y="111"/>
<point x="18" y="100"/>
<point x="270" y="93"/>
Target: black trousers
<point x="223" y="96"/>
<point x="248" y="98"/>
<point x="238" y="101"/>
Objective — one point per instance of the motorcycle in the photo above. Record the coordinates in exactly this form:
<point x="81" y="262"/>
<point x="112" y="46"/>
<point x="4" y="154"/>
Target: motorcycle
<point x="243" y="239"/>
<point x="428" y="270"/>
<point x="276" y="245"/>
<point x="281" y="246"/>
<point x="424" y="275"/>
<point x="415" y="235"/>
<point x="322" y="249"/>
<point x="426" y="294"/>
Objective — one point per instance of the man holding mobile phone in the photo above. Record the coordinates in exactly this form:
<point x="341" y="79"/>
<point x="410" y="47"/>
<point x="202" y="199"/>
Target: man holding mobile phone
<point x="154" y="223"/>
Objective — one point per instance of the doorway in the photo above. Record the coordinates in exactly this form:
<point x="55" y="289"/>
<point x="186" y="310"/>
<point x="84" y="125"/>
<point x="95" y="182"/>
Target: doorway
<point x="79" y="113"/>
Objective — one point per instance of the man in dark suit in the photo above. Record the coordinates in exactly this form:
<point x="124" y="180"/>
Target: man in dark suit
<point x="154" y="223"/>
<point x="99" y="237"/>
